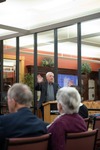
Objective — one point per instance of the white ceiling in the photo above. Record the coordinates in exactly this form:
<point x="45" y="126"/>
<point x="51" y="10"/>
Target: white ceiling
<point x="21" y="17"/>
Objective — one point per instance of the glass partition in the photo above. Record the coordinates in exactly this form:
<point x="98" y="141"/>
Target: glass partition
<point x="67" y="54"/>
<point x="27" y="62"/>
<point x="45" y="51"/>
<point x="45" y="56"/>
<point x="9" y="62"/>
<point x="9" y="65"/>
<point x="26" y="56"/>
<point x="91" y="56"/>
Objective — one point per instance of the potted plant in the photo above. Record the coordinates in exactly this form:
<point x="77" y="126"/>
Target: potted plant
<point x="47" y="61"/>
<point x="29" y="80"/>
<point x="85" y="68"/>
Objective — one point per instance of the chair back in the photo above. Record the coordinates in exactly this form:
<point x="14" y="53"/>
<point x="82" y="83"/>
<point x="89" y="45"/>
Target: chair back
<point x="96" y="125"/>
<point x="87" y="121"/>
<point x="81" y="141"/>
<point x="28" y="143"/>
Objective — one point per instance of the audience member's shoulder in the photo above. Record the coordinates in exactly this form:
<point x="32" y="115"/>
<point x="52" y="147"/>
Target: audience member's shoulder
<point x="40" y="120"/>
<point x="84" y="106"/>
<point x="58" y="121"/>
<point x="4" y="116"/>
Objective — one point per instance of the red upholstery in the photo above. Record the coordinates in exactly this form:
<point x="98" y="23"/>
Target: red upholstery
<point x="28" y="143"/>
<point x="87" y="121"/>
<point x="81" y="141"/>
<point x="96" y="125"/>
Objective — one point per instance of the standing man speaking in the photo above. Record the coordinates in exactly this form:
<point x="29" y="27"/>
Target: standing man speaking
<point x="48" y="89"/>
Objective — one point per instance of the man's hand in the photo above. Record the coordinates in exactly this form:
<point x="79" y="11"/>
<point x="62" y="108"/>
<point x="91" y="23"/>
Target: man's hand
<point x="39" y="78"/>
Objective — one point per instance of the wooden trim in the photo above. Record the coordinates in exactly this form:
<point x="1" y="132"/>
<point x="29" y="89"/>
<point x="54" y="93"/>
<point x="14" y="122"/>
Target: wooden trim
<point x="21" y="65"/>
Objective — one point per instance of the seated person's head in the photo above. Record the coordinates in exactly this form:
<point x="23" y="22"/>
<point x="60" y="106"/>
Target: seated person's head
<point x="19" y="95"/>
<point x="68" y="100"/>
<point x="50" y="77"/>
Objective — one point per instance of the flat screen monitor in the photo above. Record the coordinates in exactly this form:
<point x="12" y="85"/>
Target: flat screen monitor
<point x="67" y="80"/>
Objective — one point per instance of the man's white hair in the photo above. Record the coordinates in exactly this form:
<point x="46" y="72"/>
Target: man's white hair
<point x="48" y="73"/>
<point x="70" y="99"/>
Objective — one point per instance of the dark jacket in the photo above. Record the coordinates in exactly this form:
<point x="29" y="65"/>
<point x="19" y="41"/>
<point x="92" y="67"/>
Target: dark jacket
<point x="83" y="111"/>
<point x="43" y="88"/>
<point x="20" y="124"/>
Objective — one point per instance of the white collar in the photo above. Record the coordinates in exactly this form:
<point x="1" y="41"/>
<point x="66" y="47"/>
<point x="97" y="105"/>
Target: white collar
<point x="81" y="104"/>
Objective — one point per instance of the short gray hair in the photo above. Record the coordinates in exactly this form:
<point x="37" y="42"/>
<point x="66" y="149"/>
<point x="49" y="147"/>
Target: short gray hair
<point x="70" y="99"/>
<point x="48" y="73"/>
<point x="21" y="93"/>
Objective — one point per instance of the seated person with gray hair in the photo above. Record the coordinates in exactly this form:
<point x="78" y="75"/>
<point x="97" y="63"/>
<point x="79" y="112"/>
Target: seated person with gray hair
<point x="69" y="121"/>
<point x="83" y="110"/>
<point x="20" y="122"/>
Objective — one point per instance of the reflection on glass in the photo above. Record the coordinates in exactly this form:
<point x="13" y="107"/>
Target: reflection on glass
<point x="46" y="49"/>
<point x="91" y="55"/>
<point x="67" y="47"/>
<point x="9" y="63"/>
